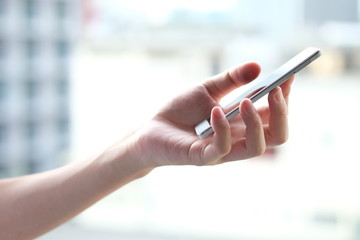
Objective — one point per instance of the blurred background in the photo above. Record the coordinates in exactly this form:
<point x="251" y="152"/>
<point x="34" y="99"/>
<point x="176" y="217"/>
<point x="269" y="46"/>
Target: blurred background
<point x="69" y="67"/>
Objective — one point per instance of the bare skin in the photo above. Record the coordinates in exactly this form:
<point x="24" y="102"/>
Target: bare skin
<point x="35" y="204"/>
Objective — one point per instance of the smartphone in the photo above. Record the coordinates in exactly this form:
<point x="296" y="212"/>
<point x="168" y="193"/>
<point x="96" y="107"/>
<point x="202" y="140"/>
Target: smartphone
<point x="260" y="87"/>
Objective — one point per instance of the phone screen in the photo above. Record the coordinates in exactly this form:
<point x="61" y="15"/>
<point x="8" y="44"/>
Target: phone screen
<point x="263" y="86"/>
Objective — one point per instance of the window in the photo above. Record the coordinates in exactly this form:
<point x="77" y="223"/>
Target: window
<point x="2" y="8"/>
<point x="337" y="11"/>
<point x="31" y="88"/>
<point x="3" y="170"/>
<point x="62" y="48"/>
<point x="30" y="8"/>
<point x="2" y="89"/>
<point x="30" y="129"/>
<point x="2" y="47"/>
<point x="3" y="136"/>
<point x="62" y="87"/>
<point x="31" y="48"/>
<point x="60" y="9"/>
<point x="63" y="128"/>
<point x="31" y="132"/>
<point x="31" y="165"/>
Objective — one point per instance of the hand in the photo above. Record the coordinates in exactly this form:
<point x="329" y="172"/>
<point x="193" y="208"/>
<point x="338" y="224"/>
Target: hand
<point x="169" y="138"/>
<point x="39" y="202"/>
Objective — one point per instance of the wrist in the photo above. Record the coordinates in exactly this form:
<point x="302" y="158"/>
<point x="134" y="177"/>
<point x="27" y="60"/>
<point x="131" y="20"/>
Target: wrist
<point x="126" y="157"/>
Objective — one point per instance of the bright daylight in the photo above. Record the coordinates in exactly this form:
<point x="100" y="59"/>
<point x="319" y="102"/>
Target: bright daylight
<point x="78" y="76"/>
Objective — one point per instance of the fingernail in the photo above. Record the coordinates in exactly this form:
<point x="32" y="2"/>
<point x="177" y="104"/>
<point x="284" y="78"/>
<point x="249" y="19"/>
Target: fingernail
<point x="278" y="94"/>
<point x="218" y="113"/>
<point x="249" y="107"/>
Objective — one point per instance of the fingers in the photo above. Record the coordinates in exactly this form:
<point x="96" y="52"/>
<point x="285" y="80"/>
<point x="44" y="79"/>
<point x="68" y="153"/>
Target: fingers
<point x="222" y="84"/>
<point x="269" y="128"/>
<point x="286" y="87"/>
<point x="221" y="143"/>
<point x="253" y="143"/>
<point x="276" y="115"/>
<point x="276" y="132"/>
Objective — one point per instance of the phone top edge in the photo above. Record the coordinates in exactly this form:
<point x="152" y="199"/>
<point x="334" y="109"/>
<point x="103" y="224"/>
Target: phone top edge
<point x="311" y="54"/>
<point x="307" y="55"/>
<point x="285" y="77"/>
<point x="314" y="54"/>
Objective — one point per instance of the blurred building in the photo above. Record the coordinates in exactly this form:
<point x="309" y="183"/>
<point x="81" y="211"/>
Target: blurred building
<point x="36" y="37"/>
<point x="336" y="11"/>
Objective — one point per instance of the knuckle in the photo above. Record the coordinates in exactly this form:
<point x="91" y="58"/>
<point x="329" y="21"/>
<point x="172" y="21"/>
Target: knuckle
<point x="257" y="150"/>
<point x="281" y="139"/>
<point x="283" y="112"/>
<point x="226" y="149"/>
<point x="277" y="139"/>
<point x="223" y="150"/>
<point x="257" y="125"/>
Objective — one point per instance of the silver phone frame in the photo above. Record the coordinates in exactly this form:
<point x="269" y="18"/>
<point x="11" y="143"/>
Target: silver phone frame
<point x="263" y="86"/>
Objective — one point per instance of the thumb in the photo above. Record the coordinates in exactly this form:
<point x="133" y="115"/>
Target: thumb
<point x="223" y="83"/>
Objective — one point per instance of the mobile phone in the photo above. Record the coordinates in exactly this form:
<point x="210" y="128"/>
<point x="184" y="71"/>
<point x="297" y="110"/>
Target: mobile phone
<point x="260" y="87"/>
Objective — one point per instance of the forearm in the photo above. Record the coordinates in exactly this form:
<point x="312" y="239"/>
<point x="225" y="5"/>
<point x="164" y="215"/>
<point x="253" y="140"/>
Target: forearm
<point x="35" y="204"/>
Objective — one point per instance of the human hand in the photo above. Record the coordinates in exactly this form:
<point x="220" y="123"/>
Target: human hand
<point x="169" y="138"/>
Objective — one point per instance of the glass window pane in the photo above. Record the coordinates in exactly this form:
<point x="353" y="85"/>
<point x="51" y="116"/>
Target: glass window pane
<point x="60" y="9"/>
<point x="2" y="8"/>
<point x="2" y="134"/>
<point x="30" y="88"/>
<point x="62" y="48"/>
<point x="2" y="89"/>
<point x="62" y="87"/>
<point x="31" y="48"/>
<point x="2" y="47"/>
<point x="30" y="8"/>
